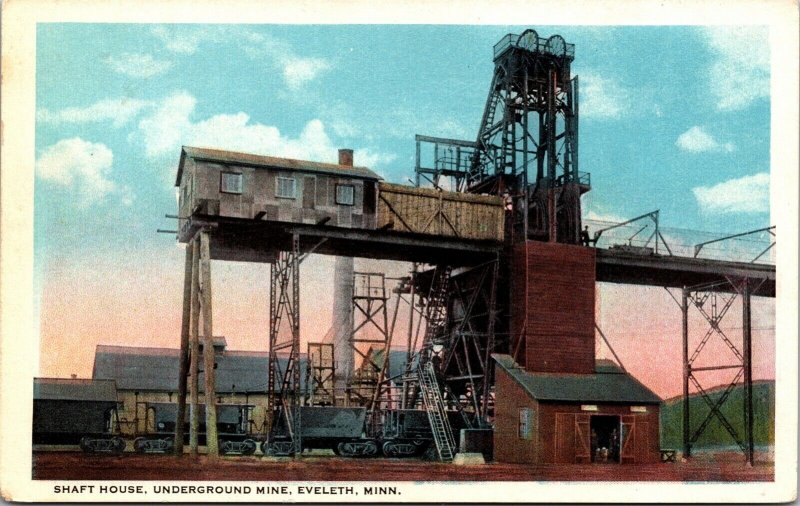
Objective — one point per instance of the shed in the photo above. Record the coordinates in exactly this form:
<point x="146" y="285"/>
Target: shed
<point x="604" y="417"/>
<point x="229" y="184"/>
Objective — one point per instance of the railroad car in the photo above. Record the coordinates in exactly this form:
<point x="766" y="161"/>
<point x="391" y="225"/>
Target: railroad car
<point x="345" y="431"/>
<point x="76" y="411"/>
<point x="232" y="425"/>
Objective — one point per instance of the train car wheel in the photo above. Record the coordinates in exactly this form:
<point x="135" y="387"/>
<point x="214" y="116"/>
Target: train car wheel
<point x="118" y="445"/>
<point x="225" y="447"/>
<point x="389" y="449"/>
<point x="370" y="449"/>
<point x="139" y="444"/>
<point x="248" y="447"/>
<point x="84" y="444"/>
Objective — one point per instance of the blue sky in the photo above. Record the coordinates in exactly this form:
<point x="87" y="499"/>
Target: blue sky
<point x="672" y="118"/>
<point x="675" y="118"/>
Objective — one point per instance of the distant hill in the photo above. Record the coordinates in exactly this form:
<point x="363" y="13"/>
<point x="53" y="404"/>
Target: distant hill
<point x="715" y="434"/>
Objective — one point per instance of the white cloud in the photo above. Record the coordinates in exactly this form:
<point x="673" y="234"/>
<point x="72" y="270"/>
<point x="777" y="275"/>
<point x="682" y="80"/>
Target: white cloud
<point x="748" y="194"/>
<point x="183" y="42"/>
<point x="295" y="69"/>
<point x="697" y="140"/>
<point x="298" y="71"/>
<point x="163" y="130"/>
<point x="78" y="163"/>
<point x="171" y="125"/>
<point x="117" y="110"/>
<point x="139" y="65"/>
<point x="601" y="97"/>
<point x="740" y="74"/>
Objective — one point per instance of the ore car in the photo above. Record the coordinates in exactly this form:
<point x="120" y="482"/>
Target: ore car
<point x="76" y="411"/>
<point x="232" y="425"/>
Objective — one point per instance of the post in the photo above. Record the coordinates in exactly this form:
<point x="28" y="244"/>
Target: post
<point x="525" y="205"/>
<point x="212" y="446"/>
<point x="183" y="366"/>
<point x="295" y="273"/>
<point x="748" y="372"/>
<point x="194" y="333"/>
<point x="686" y="372"/>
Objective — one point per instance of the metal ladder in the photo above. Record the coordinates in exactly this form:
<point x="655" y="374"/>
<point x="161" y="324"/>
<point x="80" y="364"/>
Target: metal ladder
<point x="437" y="415"/>
<point x="436" y="305"/>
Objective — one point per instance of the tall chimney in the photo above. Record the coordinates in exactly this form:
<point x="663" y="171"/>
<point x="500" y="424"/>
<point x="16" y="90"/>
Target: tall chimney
<point x="346" y="157"/>
<point x="343" y="353"/>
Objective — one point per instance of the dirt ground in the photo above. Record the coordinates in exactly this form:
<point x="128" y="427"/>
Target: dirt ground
<point x="720" y="467"/>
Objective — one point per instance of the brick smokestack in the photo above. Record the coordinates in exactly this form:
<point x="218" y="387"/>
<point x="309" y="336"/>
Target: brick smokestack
<point x="346" y="157"/>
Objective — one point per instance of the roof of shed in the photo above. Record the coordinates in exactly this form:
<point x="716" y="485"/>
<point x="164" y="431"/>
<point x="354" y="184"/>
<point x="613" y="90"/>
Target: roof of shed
<point x="63" y="389"/>
<point x="608" y="384"/>
<point x="135" y="368"/>
<point x="269" y="162"/>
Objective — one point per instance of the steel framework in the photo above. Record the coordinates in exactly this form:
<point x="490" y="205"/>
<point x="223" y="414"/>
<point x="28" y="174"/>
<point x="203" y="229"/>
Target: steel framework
<point x="320" y="375"/>
<point x="370" y="313"/>
<point x="713" y="301"/>
<point x="284" y="306"/>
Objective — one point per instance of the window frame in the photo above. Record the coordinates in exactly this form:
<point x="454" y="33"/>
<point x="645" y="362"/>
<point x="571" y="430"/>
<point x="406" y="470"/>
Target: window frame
<point x="278" y="187"/>
<point x="352" y="194"/>
<point x="222" y="175"/>
<point x="524" y="421"/>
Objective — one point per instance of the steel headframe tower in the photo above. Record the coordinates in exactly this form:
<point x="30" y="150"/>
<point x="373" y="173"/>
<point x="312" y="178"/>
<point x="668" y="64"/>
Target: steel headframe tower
<point x="527" y="144"/>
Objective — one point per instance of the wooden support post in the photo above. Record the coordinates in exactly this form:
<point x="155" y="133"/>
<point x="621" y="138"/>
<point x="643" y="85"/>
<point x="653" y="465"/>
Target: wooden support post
<point x="212" y="444"/>
<point x="748" y="372"/>
<point x="686" y="372"/>
<point x="183" y="366"/>
<point x="194" y="384"/>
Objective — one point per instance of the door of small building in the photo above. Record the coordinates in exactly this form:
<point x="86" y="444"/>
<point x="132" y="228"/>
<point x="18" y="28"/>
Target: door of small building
<point x="572" y="443"/>
<point x="605" y="439"/>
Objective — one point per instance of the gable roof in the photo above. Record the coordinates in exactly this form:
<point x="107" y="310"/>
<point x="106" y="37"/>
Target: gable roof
<point x="156" y="369"/>
<point x="608" y="384"/>
<point x="63" y="389"/>
<point x="269" y="162"/>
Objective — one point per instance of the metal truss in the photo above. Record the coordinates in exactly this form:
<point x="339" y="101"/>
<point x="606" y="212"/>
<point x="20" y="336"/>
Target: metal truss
<point x="699" y="246"/>
<point x="370" y="313"/>
<point x="467" y="365"/>
<point x="526" y="149"/>
<point x="712" y="302"/>
<point x="284" y="345"/>
<point x="654" y="236"/>
<point x="320" y="375"/>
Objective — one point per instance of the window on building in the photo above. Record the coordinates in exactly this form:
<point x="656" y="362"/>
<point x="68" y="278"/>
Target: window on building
<point x="287" y="188"/>
<point x="525" y="418"/>
<point x="345" y="194"/>
<point x="231" y="182"/>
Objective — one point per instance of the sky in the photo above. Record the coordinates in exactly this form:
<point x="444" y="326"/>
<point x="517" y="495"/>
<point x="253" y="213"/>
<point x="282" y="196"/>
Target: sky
<point x="672" y="118"/>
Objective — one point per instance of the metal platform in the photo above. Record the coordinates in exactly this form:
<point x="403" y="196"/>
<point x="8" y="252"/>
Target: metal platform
<point x="677" y="272"/>
<point x="259" y="241"/>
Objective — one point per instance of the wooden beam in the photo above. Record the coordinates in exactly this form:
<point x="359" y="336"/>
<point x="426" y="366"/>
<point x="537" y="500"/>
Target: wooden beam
<point x="212" y="443"/>
<point x="194" y="413"/>
<point x="183" y="367"/>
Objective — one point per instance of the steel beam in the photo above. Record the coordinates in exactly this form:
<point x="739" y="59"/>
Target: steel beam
<point x="748" y="371"/>
<point x="687" y="448"/>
